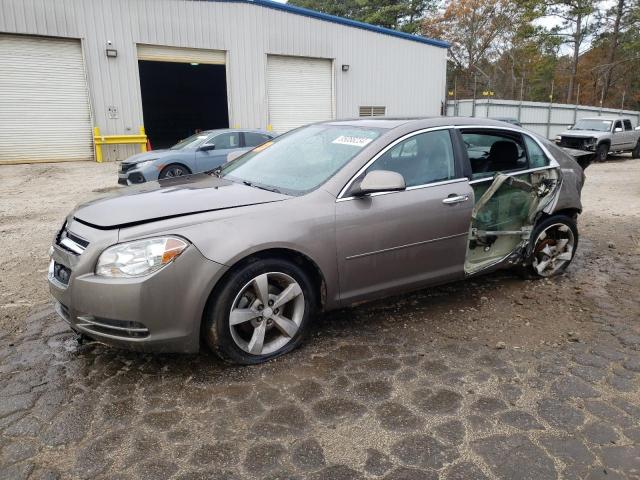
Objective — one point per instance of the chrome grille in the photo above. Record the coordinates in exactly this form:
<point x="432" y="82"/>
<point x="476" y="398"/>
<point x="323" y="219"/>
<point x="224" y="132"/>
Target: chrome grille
<point x="71" y="242"/>
<point x="114" y="328"/>
<point x="571" y="142"/>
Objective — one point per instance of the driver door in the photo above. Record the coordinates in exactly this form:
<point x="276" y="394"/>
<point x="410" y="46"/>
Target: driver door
<point x="629" y="135"/>
<point x="393" y="241"/>
<point x="214" y="151"/>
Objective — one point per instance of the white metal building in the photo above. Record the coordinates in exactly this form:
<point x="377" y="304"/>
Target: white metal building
<point x="177" y="66"/>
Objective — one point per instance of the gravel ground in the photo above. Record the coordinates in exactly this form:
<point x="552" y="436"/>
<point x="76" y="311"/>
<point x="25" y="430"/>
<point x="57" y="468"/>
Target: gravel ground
<point x="410" y="387"/>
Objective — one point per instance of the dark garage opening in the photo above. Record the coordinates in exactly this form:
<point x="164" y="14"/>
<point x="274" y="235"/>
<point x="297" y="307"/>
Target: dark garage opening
<point x="180" y="99"/>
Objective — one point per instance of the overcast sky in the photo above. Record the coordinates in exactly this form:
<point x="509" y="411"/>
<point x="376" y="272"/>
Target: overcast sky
<point x="552" y="21"/>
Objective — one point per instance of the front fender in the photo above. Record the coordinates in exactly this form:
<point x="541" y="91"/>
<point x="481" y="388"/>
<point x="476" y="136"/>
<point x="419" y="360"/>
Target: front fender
<point x="184" y="158"/>
<point x="303" y="224"/>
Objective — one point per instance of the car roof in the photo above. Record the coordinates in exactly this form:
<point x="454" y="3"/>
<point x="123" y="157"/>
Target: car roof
<point x="417" y="122"/>
<point x="223" y="130"/>
<point x="601" y="118"/>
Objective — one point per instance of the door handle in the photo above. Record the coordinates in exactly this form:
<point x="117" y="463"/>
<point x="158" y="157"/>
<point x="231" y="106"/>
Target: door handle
<point x="453" y="198"/>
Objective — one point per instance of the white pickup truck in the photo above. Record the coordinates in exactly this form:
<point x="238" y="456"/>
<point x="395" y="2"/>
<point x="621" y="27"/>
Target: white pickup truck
<point x="602" y="135"/>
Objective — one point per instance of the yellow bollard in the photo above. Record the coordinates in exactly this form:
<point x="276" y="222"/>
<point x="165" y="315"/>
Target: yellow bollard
<point x="99" y="140"/>
<point x="143" y="146"/>
<point x="97" y="146"/>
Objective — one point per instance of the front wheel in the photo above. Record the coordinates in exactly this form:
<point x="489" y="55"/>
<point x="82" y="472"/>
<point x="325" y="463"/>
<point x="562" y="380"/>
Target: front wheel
<point x="261" y="312"/>
<point x="602" y="152"/>
<point x="555" y="240"/>
<point x="173" y="170"/>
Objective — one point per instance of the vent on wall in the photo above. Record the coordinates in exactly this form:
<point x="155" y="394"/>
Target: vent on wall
<point x="373" y="111"/>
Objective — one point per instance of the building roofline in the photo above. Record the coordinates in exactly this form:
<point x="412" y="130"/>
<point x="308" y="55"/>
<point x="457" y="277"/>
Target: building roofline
<point x="343" y="21"/>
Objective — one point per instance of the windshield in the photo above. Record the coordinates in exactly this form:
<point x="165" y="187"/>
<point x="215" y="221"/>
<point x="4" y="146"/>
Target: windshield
<point x="593" y="124"/>
<point x="190" y="142"/>
<point x="301" y="160"/>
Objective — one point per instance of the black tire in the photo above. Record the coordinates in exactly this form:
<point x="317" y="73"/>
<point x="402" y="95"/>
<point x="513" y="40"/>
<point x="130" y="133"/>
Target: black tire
<point x="602" y="152"/>
<point x="635" y="153"/>
<point x="174" y="170"/>
<point x="216" y="326"/>
<point x="534" y="249"/>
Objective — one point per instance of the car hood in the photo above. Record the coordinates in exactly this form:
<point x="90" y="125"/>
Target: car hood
<point x="583" y="133"/>
<point x="175" y="197"/>
<point x="152" y="155"/>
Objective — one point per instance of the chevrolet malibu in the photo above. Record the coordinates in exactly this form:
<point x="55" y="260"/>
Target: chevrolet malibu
<point x="243" y="258"/>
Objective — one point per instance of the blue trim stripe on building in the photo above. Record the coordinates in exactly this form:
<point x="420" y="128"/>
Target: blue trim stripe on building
<point x="343" y="21"/>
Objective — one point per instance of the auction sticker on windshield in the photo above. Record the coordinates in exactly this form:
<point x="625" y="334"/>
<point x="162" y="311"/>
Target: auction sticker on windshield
<point x="351" y="140"/>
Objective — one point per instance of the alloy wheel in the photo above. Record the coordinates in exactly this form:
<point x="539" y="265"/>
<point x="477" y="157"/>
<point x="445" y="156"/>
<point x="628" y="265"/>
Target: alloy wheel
<point x="553" y="249"/>
<point x="174" y="172"/>
<point x="266" y="314"/>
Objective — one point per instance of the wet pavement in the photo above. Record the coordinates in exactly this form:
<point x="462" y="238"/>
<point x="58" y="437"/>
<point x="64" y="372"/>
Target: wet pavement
<point x="495" y="377"/>
<point x="374" y="394"/>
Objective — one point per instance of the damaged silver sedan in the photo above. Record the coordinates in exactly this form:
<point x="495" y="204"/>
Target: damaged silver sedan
<point x="328" y="215"/>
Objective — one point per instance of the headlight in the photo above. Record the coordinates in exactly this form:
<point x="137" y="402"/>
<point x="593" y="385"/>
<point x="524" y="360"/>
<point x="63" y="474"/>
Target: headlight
<point x="145" y="163"/>
<point x="558" y="138"/>
<point x="136" y="259"/>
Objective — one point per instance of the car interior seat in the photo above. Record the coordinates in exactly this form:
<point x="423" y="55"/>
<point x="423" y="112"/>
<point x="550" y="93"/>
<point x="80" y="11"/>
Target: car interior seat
<point x="503" y="156"/>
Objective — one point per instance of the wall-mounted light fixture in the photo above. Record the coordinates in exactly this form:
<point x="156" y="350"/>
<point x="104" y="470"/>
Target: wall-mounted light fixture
<point x="345" y="68"/>
<point x="111" y="52"/>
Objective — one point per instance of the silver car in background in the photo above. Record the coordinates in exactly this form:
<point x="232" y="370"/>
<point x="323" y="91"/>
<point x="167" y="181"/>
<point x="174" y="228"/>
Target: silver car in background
<point x="325" y="216"/>
<point x="200" y="152"/>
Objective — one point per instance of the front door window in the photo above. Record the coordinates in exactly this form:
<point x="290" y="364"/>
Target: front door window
<point x="422" y="159"/>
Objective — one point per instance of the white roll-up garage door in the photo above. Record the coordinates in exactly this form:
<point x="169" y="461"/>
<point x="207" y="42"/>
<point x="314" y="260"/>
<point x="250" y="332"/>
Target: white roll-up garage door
<point x="299" y="90"/>
<point x="162" y="53"/>
<point x="44" y="104"/>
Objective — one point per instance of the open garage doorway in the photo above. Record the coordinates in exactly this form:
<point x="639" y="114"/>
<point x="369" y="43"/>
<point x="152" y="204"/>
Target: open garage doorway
<point x="184" y="90"/>
<point x="179" y="99"/>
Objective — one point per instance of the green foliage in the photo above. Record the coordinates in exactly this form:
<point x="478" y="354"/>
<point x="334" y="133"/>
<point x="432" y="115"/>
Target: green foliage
<point x="404" y="15"/>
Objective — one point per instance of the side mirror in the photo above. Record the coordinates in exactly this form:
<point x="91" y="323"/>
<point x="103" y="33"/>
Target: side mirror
<point x="617" y="130"/>
<point x="380" y="181"/>
<point x="206" y="148"/>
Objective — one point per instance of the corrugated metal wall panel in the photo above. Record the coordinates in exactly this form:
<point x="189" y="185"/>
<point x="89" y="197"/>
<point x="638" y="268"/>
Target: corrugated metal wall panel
<point x="44" y="108"/>
<point x="299" y="91"/>
<point x="406" y="77"/>
<point x="547" y="120"/>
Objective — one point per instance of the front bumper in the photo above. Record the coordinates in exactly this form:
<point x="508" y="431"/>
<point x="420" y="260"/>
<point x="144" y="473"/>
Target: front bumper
<point x="161" y="312"/>
<point x="578" y="143"/>
<point x="131" y="178"/>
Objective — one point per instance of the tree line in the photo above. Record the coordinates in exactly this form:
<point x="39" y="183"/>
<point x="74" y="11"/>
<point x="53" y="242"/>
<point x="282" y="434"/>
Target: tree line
<point x="567" y="51"/>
